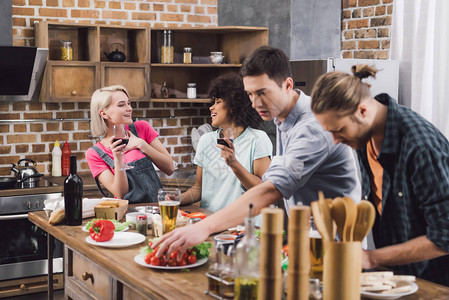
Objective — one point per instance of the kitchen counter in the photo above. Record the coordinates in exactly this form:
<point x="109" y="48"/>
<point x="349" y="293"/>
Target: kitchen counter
<point x="182" y="178"/>
<point x="114" y="271"/>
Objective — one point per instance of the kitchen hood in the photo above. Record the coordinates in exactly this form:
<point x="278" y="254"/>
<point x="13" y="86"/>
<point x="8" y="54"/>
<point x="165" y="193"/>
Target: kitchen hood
<point x="21" y="72"/>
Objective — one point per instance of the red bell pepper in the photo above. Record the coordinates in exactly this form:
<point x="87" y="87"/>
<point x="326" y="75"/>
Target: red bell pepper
<point x="196" y="215"/>
<point x="102" y="230"/>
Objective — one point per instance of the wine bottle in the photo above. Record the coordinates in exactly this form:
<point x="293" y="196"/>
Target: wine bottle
<point x="73" y="196"/>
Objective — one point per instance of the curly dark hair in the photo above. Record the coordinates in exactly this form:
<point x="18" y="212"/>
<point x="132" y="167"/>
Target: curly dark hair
<point x="229" y="88"/>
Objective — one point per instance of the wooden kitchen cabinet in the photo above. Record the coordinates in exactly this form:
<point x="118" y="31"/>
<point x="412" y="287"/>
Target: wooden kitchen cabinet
<point x="90" y="69"/>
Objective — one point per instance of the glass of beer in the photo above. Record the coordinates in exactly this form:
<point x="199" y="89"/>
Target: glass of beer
<point x="316" y="252"/>
<point x="169" y="200"/>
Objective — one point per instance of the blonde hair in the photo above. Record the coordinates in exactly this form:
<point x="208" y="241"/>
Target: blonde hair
<point x="101" y="99"/>
<point x="340" y="91"/>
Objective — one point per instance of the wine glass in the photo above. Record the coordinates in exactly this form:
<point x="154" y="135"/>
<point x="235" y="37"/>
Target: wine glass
<point x="120" y="133"/>
<point x="225" y="133"/>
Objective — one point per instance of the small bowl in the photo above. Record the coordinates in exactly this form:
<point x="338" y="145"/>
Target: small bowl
<point x="226" y="240"/>
<point x="216" y="57"/>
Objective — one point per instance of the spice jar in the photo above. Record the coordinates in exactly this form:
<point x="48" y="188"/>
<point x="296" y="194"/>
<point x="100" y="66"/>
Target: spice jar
<point x="191" y="90"/>
<point x="142" y="224"/>
<point x="187" y="57"/>
<point x="66" y="51"/>
<point x="167" y="49"/>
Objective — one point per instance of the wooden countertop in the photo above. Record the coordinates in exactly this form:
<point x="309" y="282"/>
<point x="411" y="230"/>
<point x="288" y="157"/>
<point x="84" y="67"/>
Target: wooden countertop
<point x="184" y="177"/>
<point x="119" y="262"/>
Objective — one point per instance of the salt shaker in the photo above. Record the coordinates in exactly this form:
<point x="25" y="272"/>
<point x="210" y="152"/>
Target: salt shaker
<point x="142" y="224"/>
<point x="191" y="90"/>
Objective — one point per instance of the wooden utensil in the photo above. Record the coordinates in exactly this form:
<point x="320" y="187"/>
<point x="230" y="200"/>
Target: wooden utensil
<point x="319" y="222"/>
<point x="326" y="215"/>
<point x="338" y="212"/>
<point x="364" y="221"/>
<point x="351" y="215"/>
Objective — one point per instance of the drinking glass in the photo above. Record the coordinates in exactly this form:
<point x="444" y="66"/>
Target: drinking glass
<point x="120" y="133"/>
<point x="169" y="200"/>
<point x="225" y="133"/>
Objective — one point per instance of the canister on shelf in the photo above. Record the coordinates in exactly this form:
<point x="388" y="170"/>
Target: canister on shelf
<point x="142" y="224"/>
<point x="191" y="90"/>
<point x="167" y="49"/>
<point x="187" y="57"/>
<point x="66" y="51"/>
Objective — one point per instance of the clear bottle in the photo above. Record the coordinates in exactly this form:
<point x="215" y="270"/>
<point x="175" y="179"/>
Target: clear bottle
<point x="73" y="196"/>
<point x="213" y="275"/>
<point x="56" y="156"/>
<point x="191" y="90"/>
<point x="246" y="277"/>
<point x="167" y="49"/>
<point x="164" y="91"/>
<point x="187" y="56"/>
<point x="66" y="159"/>
<point x="66" y="51"/>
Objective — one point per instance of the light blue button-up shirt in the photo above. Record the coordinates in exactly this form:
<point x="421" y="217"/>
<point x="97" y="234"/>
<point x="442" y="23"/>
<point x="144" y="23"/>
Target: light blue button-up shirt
<point x="308" y="161"/>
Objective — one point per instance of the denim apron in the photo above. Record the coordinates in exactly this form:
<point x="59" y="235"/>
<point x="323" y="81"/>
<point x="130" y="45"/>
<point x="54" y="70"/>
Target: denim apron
<point x="143" y="181"/>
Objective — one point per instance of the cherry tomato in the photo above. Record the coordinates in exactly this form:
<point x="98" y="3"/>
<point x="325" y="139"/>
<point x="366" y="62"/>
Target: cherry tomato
<point x="148" y="257"/>
<point x="155" y="261"/>
<point x="182" y="262"/>
<point x="172" y="262"/>
<point x="174" y="254"/>
<point x="162" y="262"/>
<point x="191" y="259"/>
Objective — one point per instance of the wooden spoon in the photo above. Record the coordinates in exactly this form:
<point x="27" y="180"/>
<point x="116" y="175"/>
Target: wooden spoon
<point x="338" y="213"/>
<point x="326" y="215"/>
<point x="319" y="222"/>
<point x="351" y="215"/>
<point x="364" y="221"/>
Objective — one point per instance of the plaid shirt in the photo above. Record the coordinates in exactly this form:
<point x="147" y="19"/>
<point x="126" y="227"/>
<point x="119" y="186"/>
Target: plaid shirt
<point x="415" y="189"/>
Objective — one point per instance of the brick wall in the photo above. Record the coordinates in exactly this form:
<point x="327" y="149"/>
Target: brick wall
<point x="35" y="139"/>
<point x="366" y="28"/>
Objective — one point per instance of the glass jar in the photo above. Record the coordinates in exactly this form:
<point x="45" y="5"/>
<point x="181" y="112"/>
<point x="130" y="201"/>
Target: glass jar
<point x="187" y="57"/>
<point x="142" y="224"/>
<point x="167" y="49"/>
<point x="66" y="51"/>
<point x="191" y="90"/>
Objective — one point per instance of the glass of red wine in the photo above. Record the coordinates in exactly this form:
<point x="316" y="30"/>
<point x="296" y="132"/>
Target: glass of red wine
<point x="121" y="133"/>
<point x="223" y="134"/>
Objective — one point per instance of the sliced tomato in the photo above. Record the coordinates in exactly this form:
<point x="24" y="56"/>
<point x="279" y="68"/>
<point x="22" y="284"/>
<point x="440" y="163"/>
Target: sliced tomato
<point x="196" y="215"/>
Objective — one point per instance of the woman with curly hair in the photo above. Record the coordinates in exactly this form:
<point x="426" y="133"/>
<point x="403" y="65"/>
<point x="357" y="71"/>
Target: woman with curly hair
<point x="224" y="172"/>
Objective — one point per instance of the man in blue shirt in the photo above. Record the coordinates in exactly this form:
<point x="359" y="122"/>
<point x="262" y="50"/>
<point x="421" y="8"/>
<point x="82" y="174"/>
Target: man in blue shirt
<point x="308" y="160"/>
<point x="404" y="162"/>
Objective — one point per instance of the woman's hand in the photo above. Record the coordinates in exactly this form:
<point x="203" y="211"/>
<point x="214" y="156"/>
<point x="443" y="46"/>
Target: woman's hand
<point x="116" y="148"/>
<point x="228" y="153"/>
<point x="134" y="142"/>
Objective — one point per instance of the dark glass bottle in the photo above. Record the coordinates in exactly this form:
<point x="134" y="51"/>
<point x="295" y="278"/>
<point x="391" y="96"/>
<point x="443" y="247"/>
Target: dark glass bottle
<point x="73" y="196"/>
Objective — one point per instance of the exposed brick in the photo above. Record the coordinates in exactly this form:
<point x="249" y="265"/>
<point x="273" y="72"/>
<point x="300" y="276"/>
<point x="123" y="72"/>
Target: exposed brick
<point x="35" y="106"/>
<point x="184" y="149"/>
<point x="185" y="8"/>
<point x="138" y="113"/>
<point x="198" y="19"/>
<point x="68" y="126"/>
<point x="19" y="11"/>
<point x="19" y="106"/>
<point x="197" y="121"/>
<point x="368" y="2"/>
<point x="346" y="14"/>
<point x="39" y="158"/>
<point x="83" y="126"/>
<point x="20" y="128"/>
<point x="68" y="105"/>
<point x="18" y="3"/>
<point x="172" y="8"/>
<point x="144" y="6"/>
<point x="129" y="6"/>
<point x="28" y="33"/>
<point x="364" y="54"/>
<point x="171" y="104"/>
<point x="100" y="4"/>
<point x="382" y="54"/>
<point x="172" y="17"/>
<point x="68" y="3"/>
<point x="53" y="3"/>
<point x="55" y="137"/>
<point x="187" y="1"/>
<point x="21" y="138"/>
<point x="346" y="45"/>
<point x="172" y="141"/>
<point x="4" y="128"/>
<point x="52" y="126"/>
<point x="38" y="148"/>
<point x="199" y="9"/>
<point x="52" y="106"/>
<point x="4" y="106"/>
<point x="368" y="12"/>
<point x="385" y="44"/>
<point x="349" y="3"/>
<point x="369" y="44"/>
<point x="212" y="10"/>
<point x="359" y="34"/>
<point x="348" y="34"/>
<point x="162" y="113"/>
<point x="358" y="23"/>
<point x="186" y="121"/>
<point x="172" y="122"/>
<point x="186" y="112"/>
<point x="9" y="160"/>
<point x="384" y="21"/>
<point x="158" y="7"/>
<point x="53" y="12"/>
<point x="144" y="16"/>
<point x="171" y="131"/>
<point x="381" y="10"/>
<point x="83" y="3"/>
<point x="390" y="9"/>
<point x="70" y="115"/>
<point x="78" y="136"/>
<point x="209" y="2"/>
<point x="19" y="22"/>
<point x="87" y="14"/>
<point x="383" y="32"/>
<point x="39" y="115"/>
<point x="36" y="127"/>
<point x="86" y="145"/>
<point x="9" y="116"/>
<point x="356" y="13"/>
<point x="387" y="1"/>
<point x="370" y="33"/>
<point x="115" y="5"/>
<point x="108" y="14"/>
<point x="5" y="149"/>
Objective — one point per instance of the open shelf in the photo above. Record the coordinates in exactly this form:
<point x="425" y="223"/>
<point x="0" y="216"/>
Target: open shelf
<point x="159" y="65"/>
<point x="184" y="100"/>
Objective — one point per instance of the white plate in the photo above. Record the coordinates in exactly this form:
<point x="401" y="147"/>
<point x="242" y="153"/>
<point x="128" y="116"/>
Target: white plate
<point x="85" y="230"/>
<point x="120" y="240"/>
<point x="371" y="295"/>
<point x="141" y="261"/>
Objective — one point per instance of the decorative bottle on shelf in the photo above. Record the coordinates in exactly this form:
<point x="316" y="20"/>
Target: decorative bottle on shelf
<point x="56" y="156"/>
<point x="66" y="159"/>
<point x="167" y="49"/>
<point x="73" y="196"/>
<point x="164" y="91"/>
<point x="246" y="276"/>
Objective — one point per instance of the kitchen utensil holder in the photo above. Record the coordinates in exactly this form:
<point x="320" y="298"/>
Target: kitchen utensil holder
<point x="342" y="268"/>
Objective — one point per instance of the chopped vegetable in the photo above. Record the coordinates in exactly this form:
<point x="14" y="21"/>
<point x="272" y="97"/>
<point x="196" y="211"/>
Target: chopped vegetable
<point x="102" y="230"/>
<point x="196" y="215"/>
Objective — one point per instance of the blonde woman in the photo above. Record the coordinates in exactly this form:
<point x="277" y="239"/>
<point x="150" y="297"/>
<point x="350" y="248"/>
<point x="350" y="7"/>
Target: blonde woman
<point x="111" y="106"/>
